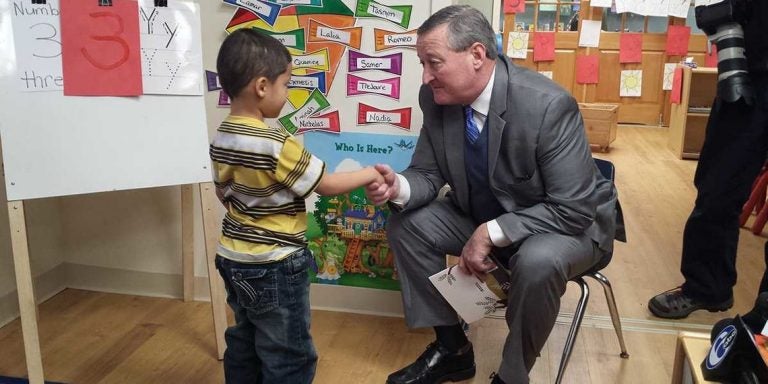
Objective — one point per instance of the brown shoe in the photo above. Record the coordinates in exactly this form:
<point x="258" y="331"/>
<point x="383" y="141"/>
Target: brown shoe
<point x="674" y="304"/>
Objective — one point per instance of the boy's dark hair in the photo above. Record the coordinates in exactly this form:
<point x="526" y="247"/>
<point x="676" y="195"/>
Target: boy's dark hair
<point x="247" y="54"/>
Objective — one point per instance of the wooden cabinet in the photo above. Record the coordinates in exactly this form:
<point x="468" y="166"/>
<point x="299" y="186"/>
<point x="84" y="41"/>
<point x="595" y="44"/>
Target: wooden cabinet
<point x="688" y="120"/>
<point x="600" y="123"/>
<point x="692" y="349"/>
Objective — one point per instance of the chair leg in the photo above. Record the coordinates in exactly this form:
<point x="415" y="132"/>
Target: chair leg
<point x="578" y="316"/>
<point x="612" y="308"/>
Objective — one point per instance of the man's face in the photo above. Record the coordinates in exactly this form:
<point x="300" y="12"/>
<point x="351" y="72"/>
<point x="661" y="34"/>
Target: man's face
<point x="450" y="74"/>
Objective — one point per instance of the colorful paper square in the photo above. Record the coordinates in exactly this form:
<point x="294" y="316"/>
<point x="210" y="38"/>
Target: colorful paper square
<point x="514" y="6"/>
<point x="98" y="58"/>
<point x="587" y="69"/>
<point x="677" y="40"/>
<point x="544" y="46"/>
<point x="631" y="48"/>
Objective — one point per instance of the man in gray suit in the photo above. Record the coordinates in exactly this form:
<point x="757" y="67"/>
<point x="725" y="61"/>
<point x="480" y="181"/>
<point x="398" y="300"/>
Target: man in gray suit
<point x="524" y="188"/>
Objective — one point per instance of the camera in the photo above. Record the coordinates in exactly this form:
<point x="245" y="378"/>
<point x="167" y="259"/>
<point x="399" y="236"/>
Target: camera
<point x="722" y="21"/>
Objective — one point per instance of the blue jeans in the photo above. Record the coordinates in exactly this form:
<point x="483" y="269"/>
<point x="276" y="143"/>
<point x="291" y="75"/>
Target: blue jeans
<point x="270" y="341"/>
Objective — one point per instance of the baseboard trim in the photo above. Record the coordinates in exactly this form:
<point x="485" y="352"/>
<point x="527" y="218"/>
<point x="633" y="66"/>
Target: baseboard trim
<point x="367" y="301"/>
<point x="46" y="286"/>
<point x="121" y="281"/>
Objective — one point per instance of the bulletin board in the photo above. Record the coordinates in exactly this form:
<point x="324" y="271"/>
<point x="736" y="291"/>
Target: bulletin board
<point x="57" y="145"/>
<point x="353" y="102"/>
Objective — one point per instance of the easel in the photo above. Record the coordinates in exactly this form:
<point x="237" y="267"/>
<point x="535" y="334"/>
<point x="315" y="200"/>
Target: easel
<point x="25" y="287"/>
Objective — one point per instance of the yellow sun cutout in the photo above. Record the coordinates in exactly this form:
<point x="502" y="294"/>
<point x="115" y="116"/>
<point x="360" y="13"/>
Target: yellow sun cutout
<point x="517" y="44"/>
<point x="631" y="83"/>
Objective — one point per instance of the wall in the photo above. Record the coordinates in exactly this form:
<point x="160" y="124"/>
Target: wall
<point x="45" y="249"/>
<point x="130" y="241"/>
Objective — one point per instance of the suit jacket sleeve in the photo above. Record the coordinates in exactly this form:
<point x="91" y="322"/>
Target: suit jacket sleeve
<point x="423" y="174"/>
<point x="568" y="175"/>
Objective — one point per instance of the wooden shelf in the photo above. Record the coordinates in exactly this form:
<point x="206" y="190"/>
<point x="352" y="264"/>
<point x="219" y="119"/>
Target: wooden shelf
<point x="688" y="129"/>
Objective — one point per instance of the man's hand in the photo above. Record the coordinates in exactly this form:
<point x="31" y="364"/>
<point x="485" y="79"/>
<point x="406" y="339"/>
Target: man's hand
<point x="474" y="256"/>
<point x="380" y="192"/>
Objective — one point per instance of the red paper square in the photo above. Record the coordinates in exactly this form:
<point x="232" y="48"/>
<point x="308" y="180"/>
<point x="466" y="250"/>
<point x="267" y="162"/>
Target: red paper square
<point x="514" y="6"/>
<point x="544" y="46"/>
<point x="631" y="48"/>
<point x="710" y="60"/>
<point x="100" y="48"/>
<point x="677" y="40"/>
<point x="677" y="86"/>
<point x="587" y="69"/>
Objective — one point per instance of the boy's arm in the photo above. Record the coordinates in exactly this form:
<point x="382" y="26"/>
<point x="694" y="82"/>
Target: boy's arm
<point x="342" y="182"/>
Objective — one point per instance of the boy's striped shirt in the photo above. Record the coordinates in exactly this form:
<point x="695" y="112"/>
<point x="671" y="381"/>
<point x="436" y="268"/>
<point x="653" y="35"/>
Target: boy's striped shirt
<point x="262" y="177"/>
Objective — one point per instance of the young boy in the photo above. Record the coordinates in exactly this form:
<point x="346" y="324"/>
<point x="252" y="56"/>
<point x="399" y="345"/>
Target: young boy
<point x="262" y="177"/>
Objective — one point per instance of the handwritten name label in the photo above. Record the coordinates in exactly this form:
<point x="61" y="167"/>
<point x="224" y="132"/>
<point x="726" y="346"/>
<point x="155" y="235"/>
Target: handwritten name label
<point x="334" y="35"/>
<point x="307" y="110"/>
<point x="400" y="39"/>
<point x="309" y="61"/>
<point x="304" y="82"/>
<point x="287" y="40"/>
<point x="257" y="7"/>
<point x="374" y="63"/>
<point x="382" y="117"/>
<point x="385" y="12"/>
<point x="315" y="123"/>
<point x="374" y="87"/>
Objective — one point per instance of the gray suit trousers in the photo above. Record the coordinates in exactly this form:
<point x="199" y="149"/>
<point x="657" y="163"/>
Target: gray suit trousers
<point x="540" y="269"/>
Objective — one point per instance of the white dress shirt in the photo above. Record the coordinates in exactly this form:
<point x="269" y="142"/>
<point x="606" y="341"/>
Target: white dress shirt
<point x="480" y="108"/>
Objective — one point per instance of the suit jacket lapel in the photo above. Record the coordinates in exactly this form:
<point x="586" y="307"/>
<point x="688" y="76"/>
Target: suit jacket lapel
<point x="496" y="112"/>
<point x="453" y="135"/>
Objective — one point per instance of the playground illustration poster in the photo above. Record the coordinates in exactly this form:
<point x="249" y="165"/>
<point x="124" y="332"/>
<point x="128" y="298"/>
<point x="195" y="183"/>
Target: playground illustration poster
<point x="347" y="233"/>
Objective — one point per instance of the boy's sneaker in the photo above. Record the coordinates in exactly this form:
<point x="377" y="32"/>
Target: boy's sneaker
<point x="674" y="304"/>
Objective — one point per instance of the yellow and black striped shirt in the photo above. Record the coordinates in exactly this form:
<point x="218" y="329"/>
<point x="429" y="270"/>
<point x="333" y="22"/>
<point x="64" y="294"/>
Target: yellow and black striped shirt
<point x="262" y="177"/>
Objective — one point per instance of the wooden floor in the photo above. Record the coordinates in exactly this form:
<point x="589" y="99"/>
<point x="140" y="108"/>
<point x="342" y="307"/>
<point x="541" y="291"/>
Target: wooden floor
<point x="92" y="337"/>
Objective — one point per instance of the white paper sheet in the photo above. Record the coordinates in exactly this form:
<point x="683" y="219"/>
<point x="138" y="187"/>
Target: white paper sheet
<point x="658" y="8"/>
<point x="171" y="53"/>
<point x="601" y="3"/>
<point x="631" y="84"/>
<point x="623" y="5"/>
<point x="669" y="73"/>
<point x="517" y="45"/>
<point x="589" y="35"/>
<point x="469" y="296"/>
<point x="37" y="39"/>
<point x="679" y="8"/>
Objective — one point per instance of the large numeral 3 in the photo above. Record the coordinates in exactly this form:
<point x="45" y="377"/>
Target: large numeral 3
<point x="115" y="37"/>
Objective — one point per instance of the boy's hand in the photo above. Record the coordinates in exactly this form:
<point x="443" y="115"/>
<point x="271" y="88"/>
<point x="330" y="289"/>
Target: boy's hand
<point x="377" y="177"/>
<point x="387" y="188"/>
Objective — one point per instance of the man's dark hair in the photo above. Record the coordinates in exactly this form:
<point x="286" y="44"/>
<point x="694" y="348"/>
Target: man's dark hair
<point x="466" y="26"/>
<point x="247" y="54"/>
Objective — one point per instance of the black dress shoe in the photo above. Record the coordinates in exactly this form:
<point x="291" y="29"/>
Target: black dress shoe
<point x="437" y="365"/>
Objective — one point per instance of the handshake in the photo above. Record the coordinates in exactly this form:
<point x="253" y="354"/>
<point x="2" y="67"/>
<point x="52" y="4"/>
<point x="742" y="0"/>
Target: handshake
<point x="384" y="184"/>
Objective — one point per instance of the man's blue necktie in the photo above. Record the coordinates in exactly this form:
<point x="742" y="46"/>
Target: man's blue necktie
<point x="472" y="133"/>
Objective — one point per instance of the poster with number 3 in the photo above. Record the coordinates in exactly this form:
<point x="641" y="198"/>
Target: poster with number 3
<point x="100" y="48"/>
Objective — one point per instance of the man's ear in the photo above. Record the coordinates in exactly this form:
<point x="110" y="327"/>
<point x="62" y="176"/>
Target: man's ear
<point x="478" y="54"/>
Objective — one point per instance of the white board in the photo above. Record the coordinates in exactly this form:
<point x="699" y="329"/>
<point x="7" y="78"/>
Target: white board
<point x="56" y="146"/>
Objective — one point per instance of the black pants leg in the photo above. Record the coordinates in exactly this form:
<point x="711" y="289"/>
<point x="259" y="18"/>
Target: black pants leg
<point x="734" y="151"/>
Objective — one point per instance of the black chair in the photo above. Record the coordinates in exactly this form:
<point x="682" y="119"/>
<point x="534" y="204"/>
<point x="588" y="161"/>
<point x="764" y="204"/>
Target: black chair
<point x="609" y="172"/>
